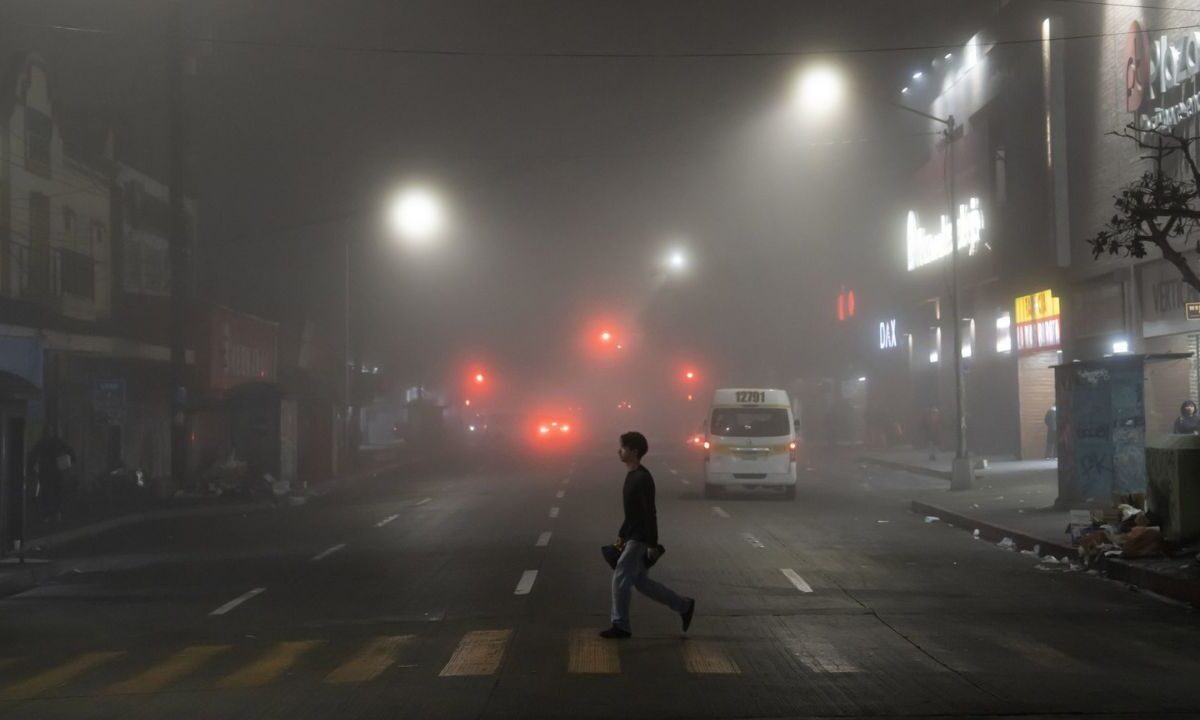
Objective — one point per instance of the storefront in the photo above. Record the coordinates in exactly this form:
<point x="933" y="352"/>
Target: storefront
<point x="1038" y="331"/>
<point x="1167" y="329"/>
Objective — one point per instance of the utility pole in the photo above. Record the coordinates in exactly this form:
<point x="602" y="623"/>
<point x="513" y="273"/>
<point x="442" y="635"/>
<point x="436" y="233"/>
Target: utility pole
<point x="962" y="472"/>
<point x="180" y="285"/>
<point x="962" y="476"/>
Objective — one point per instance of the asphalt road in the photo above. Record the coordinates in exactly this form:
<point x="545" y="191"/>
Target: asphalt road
<point x="477" y="590"/>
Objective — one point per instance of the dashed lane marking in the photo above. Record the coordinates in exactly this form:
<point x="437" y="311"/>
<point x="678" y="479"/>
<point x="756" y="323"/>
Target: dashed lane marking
<point x="525" y="584"/>
<point x="238" y="601"/>
<point x="674" y="471"/>
<point x="270" y="667"/>
<point x="543" y="539"/>
<point x="588" y="653"/>
<point x="57" y="676"/>
<point x="369" y="662"/>
<point x="553" y="512"/>
<point x="719" y="512"/>
<point x="179" y="665"/>
<point x="753" y="541"/>
<point x="386" y="520"/>
<point x="685" y="481"/>
<point x="422" y="501"/>
<point x="796" y="580"/>
<point x="326" y="553"/>
<point x="560" y="494"/>
<point x="480" y="652"/>
<point x="708" y="658"/>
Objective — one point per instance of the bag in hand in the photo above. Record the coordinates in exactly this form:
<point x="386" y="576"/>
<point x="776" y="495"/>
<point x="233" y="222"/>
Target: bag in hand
<point x="612" y="553"/>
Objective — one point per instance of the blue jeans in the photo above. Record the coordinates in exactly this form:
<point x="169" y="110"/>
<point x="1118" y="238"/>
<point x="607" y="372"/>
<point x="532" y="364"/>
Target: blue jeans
<point x="631" y="572"/>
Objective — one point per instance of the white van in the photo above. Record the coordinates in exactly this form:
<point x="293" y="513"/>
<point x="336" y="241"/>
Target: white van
<point x="751" y="441"/>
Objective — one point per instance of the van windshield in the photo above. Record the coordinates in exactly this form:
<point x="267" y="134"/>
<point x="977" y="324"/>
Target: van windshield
<point x="750" y="422"/>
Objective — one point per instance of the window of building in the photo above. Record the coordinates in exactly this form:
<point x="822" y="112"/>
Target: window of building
<point x="37" y="141"/>
<point x="19" y="275"/>
<point x="1000" y="175"/>
<point x="68" y="225"/>
<point x="73" y="274"/>
<point x="1004" y="333"/>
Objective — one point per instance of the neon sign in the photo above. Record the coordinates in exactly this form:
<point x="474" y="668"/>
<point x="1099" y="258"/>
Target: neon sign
<point x="1038" y="326"/>
<point x="925" y="247"/>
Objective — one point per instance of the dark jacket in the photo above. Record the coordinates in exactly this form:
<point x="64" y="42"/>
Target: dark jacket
<point x="641" y="518"/>
<point x="1186" y="424"/>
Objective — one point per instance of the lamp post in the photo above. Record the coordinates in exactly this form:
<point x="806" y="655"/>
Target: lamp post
<point x="414" y="216"/>
<point x="820" y="90"/>
<point x="962" y="476"/>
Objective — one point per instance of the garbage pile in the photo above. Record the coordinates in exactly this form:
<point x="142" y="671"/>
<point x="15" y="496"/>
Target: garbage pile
<point x="1124" y="530"/>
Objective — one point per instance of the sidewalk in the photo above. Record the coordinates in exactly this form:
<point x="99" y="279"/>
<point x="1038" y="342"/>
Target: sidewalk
<point x="16" y="576"/>
<point x="1014" y="499"/>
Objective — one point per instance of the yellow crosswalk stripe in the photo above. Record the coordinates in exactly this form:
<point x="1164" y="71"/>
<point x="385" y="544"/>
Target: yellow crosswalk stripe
<point x="369" y="662"/>
<point x="7" y="662"/>
<point x="708" y="658"/>
<point x="480" y="652"/>
<point x="589" y="653"/>
<point x="268" y="668"/>
<point x="56" y="677"/>
<point x="179" y="665"/>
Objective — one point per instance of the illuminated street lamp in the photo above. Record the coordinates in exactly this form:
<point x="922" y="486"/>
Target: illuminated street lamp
<point x="416" y="215"/>
<point x="819" y="92"/>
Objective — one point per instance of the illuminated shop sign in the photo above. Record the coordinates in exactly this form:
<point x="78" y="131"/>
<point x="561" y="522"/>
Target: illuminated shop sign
<point x="887" y="335"/>
<point x="846" y="305"/>
<point x="1038" y="325"/>
<point x="925" y="247"/>
<point x="1153" y="70"/>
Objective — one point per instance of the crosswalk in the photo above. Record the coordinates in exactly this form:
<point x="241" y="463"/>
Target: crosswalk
<point x="440" y="656"/>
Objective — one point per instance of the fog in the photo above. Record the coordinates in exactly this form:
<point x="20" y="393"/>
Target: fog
<point x="575" y="145"/>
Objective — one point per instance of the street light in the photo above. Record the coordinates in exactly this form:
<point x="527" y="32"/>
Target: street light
<point x="677" y="261"/>
<point x="416" y="215"/>
<point x="819" y="90"/>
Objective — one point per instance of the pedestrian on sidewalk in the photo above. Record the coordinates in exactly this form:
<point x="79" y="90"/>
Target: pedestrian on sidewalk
<point x="1051" y="421"/>
<point x="49" y="462"/>
<point x="1188" y="422"/>
<point x="638" y="543"/>
<point x="933" y="429"/>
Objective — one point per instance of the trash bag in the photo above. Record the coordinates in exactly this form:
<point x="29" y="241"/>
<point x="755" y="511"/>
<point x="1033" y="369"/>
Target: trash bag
<point x="1143" y="542"/>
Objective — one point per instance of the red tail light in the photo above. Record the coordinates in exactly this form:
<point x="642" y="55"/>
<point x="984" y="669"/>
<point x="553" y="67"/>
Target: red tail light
<point x="792" y="451"/>
<point x="706" y="449"/>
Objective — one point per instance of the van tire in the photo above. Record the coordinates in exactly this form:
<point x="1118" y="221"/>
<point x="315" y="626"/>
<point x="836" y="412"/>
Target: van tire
<point x="789" y="493"/>
<point x="711" y="492"/>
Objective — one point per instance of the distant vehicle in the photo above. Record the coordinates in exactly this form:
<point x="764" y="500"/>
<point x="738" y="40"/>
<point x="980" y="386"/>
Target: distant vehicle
<point x="751" y="441"/>
<point x="554" y="432"/>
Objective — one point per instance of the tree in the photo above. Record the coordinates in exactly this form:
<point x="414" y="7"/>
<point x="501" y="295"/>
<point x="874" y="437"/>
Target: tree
<point x="1158" y="209"/>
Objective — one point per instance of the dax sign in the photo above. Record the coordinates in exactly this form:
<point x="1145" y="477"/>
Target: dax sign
<point x="887" y="335"/>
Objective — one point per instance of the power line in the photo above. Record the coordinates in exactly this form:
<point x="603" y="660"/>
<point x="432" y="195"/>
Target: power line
<point x="578" y="55"/>
<point x="1110" y="3"/>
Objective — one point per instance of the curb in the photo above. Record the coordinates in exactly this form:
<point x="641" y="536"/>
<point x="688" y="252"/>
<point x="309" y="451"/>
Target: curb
<point x="914" y="469"/>
<point x="1130" y="573"/>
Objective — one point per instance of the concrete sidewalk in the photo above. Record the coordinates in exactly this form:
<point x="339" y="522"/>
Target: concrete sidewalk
<point x="17" y="575"/>
<point x="1015" y="499"/>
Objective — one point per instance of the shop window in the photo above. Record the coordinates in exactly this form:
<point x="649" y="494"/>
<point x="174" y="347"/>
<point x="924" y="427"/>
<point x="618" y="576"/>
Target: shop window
<point x="1004" y="333"/>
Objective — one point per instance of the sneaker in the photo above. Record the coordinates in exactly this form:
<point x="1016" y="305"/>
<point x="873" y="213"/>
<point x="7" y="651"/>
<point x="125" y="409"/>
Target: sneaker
<point x="687" y="614"/>
<point x="615" y="633"/>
